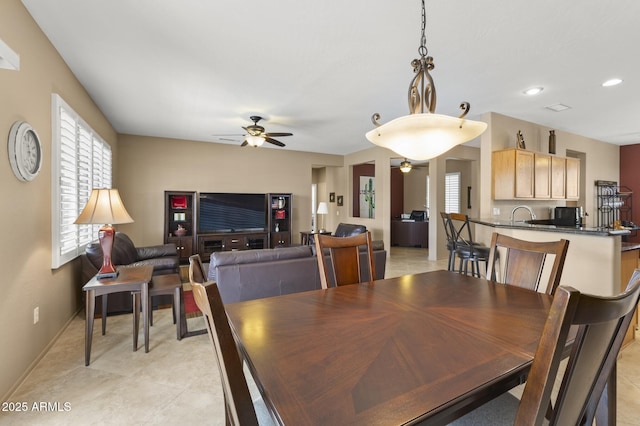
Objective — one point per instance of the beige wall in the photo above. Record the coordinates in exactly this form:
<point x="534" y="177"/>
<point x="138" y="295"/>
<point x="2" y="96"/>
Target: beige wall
<point x="149" y="166"/>
<point x="27" y="278"/>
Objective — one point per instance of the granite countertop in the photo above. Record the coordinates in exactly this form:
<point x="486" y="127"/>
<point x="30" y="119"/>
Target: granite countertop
<point x="498" y="223"/>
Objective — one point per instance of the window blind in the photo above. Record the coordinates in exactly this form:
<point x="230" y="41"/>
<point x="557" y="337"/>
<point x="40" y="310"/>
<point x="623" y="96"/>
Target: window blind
<point x="81" y="161"/>
<point x="452" y="192"/>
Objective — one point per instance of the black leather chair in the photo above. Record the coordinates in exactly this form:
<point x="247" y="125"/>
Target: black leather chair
<point x="343" y="230"/>
<point x="164" y="259"/>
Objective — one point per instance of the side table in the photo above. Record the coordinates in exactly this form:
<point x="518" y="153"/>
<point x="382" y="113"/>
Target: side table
<point x="130" y="279"/>
<point x="305" y="236"/>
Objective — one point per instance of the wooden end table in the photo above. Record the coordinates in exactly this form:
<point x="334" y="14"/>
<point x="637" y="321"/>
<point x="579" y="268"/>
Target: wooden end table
<point x="133" y="279"/>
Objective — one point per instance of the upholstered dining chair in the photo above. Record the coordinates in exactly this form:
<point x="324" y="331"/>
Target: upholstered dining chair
<point x="524" y="261"/>
<point x="240" y="409"/>
<point x="601" y="325"/>
<point x="344" y="264"/>
<point x="466" y="249"/>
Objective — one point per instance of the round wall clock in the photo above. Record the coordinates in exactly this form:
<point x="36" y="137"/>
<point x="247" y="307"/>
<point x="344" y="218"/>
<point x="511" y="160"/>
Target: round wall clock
<point x="25" y="151"/>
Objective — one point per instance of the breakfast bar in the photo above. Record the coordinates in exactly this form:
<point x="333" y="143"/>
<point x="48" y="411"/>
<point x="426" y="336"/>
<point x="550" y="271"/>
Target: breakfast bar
<point x="593" y="259"/>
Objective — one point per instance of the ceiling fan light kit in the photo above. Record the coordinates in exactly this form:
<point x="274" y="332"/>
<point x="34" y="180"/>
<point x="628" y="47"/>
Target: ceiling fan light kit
<point x="256" y="135"/>
<point x="405" y="166"/>
<point x="423" y="134"/>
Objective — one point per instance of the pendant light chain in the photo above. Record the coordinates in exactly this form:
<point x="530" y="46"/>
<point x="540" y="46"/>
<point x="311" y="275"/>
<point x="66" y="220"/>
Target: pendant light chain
<point x="422" y="50"/>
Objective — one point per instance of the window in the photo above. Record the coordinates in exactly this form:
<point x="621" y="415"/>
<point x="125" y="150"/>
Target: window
<point x="452" y="192"/>
<point x="81" y="161"/>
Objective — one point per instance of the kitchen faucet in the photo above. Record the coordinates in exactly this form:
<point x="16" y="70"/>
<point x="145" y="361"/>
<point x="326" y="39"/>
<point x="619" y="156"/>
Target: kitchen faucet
<point x="529" y="209"/>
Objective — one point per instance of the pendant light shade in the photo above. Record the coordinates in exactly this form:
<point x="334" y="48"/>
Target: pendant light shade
<point x="405" y="166"/>
<point x="423" y="134"/>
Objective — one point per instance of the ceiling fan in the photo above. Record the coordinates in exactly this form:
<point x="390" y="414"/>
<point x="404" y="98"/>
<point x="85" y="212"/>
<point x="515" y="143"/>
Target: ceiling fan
<point x="256" y="134"/>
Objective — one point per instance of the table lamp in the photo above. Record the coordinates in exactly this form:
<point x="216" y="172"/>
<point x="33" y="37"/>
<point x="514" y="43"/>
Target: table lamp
<point x="322" y="210"/>
<point x="105" y="207"/>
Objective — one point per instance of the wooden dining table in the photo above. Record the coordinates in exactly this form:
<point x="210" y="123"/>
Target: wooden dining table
<point x="417" y="349"/>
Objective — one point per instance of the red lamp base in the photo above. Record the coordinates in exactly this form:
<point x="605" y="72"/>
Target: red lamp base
<point x="106" y="236"/>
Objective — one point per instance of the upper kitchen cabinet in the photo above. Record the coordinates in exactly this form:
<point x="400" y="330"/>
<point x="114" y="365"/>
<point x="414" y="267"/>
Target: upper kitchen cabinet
<point x="513" y="174"/>
<point x="521" y="174"/>
<point x="573" y="178"/>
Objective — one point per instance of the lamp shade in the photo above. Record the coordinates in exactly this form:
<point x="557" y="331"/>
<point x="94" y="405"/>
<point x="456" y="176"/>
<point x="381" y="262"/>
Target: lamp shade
<point x="425" y="136"/>
<point x="104" y="206"/>
<point x="323" y="208"/>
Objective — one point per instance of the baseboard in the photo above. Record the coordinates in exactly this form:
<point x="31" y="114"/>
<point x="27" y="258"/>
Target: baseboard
<point x="35" y="362"/>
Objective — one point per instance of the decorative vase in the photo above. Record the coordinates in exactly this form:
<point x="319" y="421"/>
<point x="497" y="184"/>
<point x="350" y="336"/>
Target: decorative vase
<point x="552" y="141"/>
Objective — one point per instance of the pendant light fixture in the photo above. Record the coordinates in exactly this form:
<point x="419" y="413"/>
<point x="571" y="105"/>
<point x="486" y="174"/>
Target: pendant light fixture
<point x="405" y="166"/>
<point x="423" y="134"/>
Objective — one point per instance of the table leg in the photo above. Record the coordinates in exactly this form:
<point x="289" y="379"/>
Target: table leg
<point x="89" y="313"/>
<point x="104" y="313"/>
<point x="145" y="314"/>
<point x="178" y="311"/>
<point x="136" y="318"/>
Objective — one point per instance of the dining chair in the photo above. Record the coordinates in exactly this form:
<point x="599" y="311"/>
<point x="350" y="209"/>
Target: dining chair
<point x="524" y="261"/>
<point x="466" y="249"/>
<point x="601" y="325"/>
<point x="344" y="264"/>
<point x="196" y="270"/>
<point x="240" y="408"/>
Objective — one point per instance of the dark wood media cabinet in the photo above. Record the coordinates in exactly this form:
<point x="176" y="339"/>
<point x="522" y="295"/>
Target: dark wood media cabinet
<point x="181" y="227"/>
<point x="229" y="241"/>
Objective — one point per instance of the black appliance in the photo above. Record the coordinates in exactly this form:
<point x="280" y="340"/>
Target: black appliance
<point x="418" y="215"/>
<point x="568" y="216"/>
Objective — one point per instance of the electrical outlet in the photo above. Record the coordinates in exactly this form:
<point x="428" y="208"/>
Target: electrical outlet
<point x="496" y="211"/>
<point x="36" y="314"/>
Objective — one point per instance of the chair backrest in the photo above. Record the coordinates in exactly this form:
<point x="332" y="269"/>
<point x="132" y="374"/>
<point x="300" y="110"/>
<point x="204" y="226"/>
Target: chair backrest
<point x="524" y="261"/>
<point x="196" y="270"/>
<point x="460" y="229"/>
<point x="602" y="323"/>
<point x="239" y="406"/>
<point x="344" y="254"/>
<point x="446" y="222"/>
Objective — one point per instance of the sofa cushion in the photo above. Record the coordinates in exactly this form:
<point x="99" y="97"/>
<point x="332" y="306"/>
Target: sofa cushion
<point x="222" y="258"/>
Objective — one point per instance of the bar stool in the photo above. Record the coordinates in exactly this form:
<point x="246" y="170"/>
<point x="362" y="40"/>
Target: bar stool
<point x="466" y="249"/>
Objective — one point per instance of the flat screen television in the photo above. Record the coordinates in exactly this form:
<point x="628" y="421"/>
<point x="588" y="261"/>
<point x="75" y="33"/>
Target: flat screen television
<point x="231" y="212"/>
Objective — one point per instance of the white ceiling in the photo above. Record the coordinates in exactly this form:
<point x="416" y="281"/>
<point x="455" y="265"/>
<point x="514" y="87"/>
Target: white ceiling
<point x="192" y="69"/>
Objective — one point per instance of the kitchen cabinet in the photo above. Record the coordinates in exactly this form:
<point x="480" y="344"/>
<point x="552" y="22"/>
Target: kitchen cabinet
<point x="520" y="174"/>
<point x="542" y="176"/>
<point x="558" y="177"/>
<point x="573" y="178"/>
<point x="513" y="174"/>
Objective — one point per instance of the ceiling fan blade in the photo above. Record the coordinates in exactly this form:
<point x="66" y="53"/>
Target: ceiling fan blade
<point x="273" y="141"/>
<point x="278" y="134"/>
<point x="245" y="143"/>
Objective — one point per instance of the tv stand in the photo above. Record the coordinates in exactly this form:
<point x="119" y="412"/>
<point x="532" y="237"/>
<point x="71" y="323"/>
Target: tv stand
<point x="231" y="241"/>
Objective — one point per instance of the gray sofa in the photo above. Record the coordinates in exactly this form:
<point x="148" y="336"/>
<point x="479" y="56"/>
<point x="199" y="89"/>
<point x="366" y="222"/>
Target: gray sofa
<point x="254" y="274"/>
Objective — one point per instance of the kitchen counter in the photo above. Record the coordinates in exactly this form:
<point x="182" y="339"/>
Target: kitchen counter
<point x="506" y="224"/>
<point x="593" y="259"/>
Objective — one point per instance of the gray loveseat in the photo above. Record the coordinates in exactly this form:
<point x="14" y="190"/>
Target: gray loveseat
<point x="254" y="274"/>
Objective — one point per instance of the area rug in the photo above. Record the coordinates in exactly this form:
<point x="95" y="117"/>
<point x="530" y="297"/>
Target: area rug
<point x="190" y="307"/>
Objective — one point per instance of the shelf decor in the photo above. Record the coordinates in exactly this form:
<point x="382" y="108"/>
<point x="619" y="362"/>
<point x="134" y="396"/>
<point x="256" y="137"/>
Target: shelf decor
<point x="179" y="202"/>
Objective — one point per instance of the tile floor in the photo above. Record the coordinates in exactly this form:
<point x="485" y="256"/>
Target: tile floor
<point x="177" y="382"/>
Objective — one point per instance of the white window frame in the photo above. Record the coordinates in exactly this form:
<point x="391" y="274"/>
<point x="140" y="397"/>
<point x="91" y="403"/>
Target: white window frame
<point x="80" y="161"/>
<point x="452" y="192"/>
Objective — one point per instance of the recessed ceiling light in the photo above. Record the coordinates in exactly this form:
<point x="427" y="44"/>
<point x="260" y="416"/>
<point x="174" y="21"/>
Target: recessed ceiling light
<point x="533" y="91"/>
<point x="612" y="82"/>
<point x="558" y="107"/>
